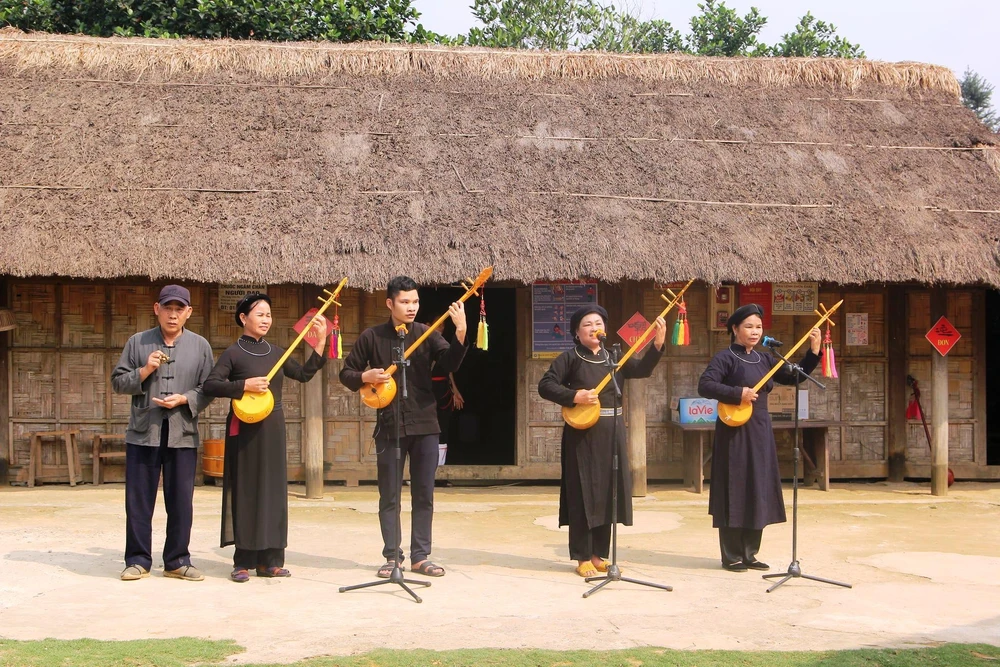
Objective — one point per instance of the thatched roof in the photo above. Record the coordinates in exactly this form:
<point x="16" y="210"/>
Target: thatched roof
<point x="214" y="161"/>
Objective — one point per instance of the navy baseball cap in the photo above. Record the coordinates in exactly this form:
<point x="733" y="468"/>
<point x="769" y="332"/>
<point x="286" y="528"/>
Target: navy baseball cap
<point x="175" y="293"/>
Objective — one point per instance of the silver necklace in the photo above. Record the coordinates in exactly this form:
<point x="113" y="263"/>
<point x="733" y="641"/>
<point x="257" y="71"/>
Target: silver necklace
<point x="746" y="361"/>
<point x="255" y="354"/>
<point x="603" y="360"/>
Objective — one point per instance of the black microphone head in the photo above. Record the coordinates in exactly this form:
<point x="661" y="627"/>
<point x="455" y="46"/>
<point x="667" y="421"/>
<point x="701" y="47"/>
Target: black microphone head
<point x="771" y="342"/>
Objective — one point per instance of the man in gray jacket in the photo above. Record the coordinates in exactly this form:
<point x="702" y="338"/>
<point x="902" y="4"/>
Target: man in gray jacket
<point x="163" y="369"/>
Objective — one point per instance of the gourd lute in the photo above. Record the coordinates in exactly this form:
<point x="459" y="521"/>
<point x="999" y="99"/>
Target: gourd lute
<point x="738" y="415"/>
<point x="584" y="415"/>
<point x="254" y="406"/>
<point x="378" y="395"/>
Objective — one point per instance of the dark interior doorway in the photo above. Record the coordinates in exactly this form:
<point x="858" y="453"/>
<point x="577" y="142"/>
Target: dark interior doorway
<point x="992" y="378"/>
<point x="482" y="433"/>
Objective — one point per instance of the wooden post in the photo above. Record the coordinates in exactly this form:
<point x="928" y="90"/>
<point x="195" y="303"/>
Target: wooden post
<point x="312" y="423"/>
<point x="939" y="404"/>
<point x="634" y="390"/>
<point x="896" y="322"/>
<point x="637" y="435"/>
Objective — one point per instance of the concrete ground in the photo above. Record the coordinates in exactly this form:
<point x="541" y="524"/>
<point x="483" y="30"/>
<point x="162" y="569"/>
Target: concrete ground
<point x="924" y="570"/>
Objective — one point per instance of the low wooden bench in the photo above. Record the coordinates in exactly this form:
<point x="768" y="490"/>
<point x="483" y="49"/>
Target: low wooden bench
<point x="68" y="437"/>
<point x="98" y="453"/>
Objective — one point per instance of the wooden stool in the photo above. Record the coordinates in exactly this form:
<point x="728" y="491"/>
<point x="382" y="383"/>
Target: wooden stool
<point x="72" y="455"/>
<point x="99" y="440"/>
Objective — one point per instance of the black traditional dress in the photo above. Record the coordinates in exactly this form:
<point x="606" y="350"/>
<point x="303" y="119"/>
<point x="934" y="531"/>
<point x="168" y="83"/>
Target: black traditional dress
<point x="585" y="490"/>
<point x="746" y="485"/>
<point x="255" y="478"/>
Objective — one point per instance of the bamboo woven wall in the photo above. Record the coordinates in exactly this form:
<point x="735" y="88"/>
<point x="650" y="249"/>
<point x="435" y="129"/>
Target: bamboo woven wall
<point x="69" y="337"/>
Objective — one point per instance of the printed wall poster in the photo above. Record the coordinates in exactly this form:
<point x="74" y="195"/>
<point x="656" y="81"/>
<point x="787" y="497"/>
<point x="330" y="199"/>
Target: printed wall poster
<point x="552" y="306"/>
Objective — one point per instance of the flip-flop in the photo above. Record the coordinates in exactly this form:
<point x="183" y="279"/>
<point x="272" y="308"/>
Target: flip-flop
<point x="428" y="569"/>
<point x="385" y="571"/>
<point x="586" y="570"/>
<point x="602" y="566"/>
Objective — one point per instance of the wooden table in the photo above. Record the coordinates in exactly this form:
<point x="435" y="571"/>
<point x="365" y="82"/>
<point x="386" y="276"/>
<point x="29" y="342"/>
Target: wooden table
<point x="815" y="453"/>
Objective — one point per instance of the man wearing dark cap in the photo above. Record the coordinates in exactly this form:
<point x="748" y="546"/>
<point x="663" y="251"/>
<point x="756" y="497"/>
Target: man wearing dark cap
<point x="162" y="369"/>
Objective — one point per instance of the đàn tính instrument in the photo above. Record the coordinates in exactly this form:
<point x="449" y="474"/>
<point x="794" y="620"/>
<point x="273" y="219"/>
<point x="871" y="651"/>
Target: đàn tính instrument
<point x="254" y="406"/>
<point x="584" y="415"/>
<point x="377" y="395"/>
<point x="738" y="415"/>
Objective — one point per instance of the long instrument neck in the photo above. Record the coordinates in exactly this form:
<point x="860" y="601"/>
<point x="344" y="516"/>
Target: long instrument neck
<point x="641" y="341"/>
<point x="298" y="339"/>
<point x="425" y="335"/>
<point x="757" y="387"/>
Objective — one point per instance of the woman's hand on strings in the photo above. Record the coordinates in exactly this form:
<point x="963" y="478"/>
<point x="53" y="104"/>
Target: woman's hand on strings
<point x="586" y="397"/>
<point x="749" y="395"/>
<point x="257" y="385"/>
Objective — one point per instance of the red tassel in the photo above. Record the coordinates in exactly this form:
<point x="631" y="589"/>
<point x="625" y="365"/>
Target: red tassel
<point x="829" y="359"/>
<point x="913" y="409"/>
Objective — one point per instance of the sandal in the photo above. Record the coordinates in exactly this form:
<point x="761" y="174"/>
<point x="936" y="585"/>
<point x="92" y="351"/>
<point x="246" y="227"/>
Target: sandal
<point x="428" y="569"/>
<point x="240" y="575"/>
<point x="586" y="570"/>
<point x="385" y="571"/>
<point x="602" y="566"/>
<point x="273" y="571"/>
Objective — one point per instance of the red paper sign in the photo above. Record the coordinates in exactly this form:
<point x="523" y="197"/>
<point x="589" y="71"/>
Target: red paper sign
<point x="631" y="330"/>
<point x="759" y="293"/>
<point x="311" y="339"/>
<point x="943" y="336"/>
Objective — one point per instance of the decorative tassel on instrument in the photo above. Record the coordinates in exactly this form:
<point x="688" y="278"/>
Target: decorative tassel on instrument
<point x="483" y="333"/>
<point x="336" y="338"/>
<point x="682" y="330"/>
<point x="829" y="360"/>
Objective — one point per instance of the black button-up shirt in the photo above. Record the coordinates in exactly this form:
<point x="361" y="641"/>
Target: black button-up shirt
<point x="373" y="349"/>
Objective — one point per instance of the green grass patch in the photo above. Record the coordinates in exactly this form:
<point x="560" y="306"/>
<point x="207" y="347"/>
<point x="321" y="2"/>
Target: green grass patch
<point x="187" y="651"/>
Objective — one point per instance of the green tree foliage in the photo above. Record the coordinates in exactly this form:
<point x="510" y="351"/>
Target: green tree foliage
<point x="977" y="94"/>
<point x="720" y="31"/>
<point x="815" y="39"/>
<point x="567" y="24"/>
<point x="275" y="20"/>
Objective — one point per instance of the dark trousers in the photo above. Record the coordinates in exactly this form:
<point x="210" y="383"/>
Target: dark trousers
<point x="142" y="479"/>
<point x="739" y="545"/>
<point x="423" y="453"/>
<point x="248" y="559"/>
<point x="585" y="542"/>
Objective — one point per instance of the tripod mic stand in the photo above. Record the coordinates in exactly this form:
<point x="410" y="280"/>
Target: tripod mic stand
<point x="794" y="569"/>
<point x="614" y="572"/>
<point x="396" y="577"/>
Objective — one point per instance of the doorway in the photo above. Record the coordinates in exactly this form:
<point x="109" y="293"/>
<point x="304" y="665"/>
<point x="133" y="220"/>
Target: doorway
<point x="483" y="431"/>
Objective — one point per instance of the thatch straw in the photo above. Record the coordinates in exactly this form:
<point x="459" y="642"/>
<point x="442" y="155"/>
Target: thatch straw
<point x="169" y="58"/>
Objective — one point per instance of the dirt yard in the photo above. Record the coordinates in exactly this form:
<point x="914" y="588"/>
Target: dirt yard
<point x="924" y="570"/>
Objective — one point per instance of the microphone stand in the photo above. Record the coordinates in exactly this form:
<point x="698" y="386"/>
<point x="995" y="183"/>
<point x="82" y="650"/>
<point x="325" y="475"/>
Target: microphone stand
<point x="614" y="572"/>
<point x="794" y="569"/>
<point x="396" y="577"/>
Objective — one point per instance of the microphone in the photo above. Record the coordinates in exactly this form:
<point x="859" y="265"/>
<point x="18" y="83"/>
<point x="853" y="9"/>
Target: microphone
<point x="601" y="336"/>
<point x="401" y="330"/>
<point x="770" y="342"/>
